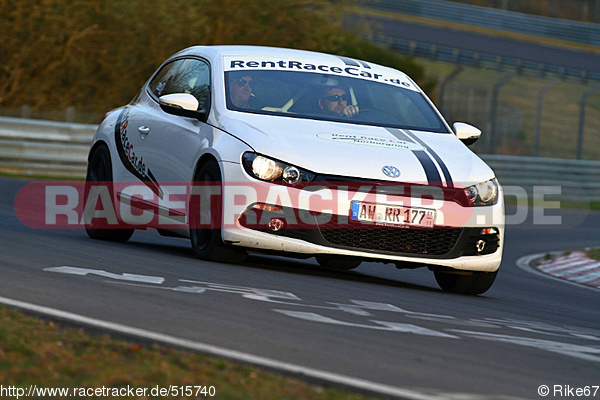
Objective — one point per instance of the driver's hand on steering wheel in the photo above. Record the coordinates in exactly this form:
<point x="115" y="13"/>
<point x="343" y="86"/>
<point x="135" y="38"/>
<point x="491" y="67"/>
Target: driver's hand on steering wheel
<point x="350" y="111"/>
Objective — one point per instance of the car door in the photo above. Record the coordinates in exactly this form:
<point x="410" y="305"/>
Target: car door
<point x="129" y="162"/>
<point x="171" y="144"/>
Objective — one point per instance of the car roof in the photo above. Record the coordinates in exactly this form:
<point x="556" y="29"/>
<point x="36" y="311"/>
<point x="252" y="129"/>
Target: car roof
<point x="216" y="52"/>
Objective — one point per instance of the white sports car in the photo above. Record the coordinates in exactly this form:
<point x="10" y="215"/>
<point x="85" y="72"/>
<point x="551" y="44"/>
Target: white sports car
<point x="298" y="153"/>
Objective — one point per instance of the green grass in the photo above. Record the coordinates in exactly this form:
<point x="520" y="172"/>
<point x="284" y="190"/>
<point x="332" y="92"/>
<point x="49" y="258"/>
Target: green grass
<point x="594" y="253"/>
<point x="43" y="353"/>
<point x="573" y="205"/>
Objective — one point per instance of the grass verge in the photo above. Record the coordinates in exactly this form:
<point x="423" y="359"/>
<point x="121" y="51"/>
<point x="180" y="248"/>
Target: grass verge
<point x="43" y="353"/>
<point x="594" y="253"/>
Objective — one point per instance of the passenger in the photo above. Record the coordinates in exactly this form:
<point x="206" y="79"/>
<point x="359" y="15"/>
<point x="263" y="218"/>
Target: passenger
<point x="334" y="101"/>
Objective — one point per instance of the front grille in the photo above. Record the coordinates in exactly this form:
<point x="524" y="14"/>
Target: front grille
<point x="328" y="230"/>
<point x="433" y="242"/>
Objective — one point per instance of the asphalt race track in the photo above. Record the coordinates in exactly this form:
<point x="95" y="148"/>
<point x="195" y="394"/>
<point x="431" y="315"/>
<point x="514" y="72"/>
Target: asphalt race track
<point x="379" y="324"/>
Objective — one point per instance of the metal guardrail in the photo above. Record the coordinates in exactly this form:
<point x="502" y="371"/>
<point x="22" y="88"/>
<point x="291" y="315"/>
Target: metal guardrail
<point x="54" y="149"/>
<point x="44" y="148"/>
<point x="553" y="28"/>
<point x="577" y="179"/>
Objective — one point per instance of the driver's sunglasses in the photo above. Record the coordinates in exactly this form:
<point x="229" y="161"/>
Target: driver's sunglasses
<point x="337" y="97"/>
<point x="243" y="82"/>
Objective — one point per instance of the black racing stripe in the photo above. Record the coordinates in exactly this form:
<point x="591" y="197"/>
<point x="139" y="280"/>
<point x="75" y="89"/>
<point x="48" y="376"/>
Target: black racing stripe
<point x="157" y="189"/>
<point x="437" y="158"/>
<point x="364" y="64"/>
<point x="399" y="135"/>
<point x="444" y="168"/>
<point x="148" y="180"/>
<point x="433" y="176"/>
<point x="349" y="61"/>
<point x="431" y="171"/>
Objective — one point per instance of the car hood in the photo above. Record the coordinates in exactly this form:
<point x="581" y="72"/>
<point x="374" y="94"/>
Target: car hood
<point x="350" y="150"/>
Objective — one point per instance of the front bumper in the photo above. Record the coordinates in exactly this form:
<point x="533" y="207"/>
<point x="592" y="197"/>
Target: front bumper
<point x="315" y="222"/>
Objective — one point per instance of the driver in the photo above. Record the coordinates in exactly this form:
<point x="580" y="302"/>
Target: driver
<point x="334" y="101"/>
<point x="240" y="90"/>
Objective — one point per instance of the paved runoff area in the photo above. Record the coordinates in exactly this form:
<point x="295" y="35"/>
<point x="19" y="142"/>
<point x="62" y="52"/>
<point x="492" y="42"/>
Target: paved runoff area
<point x="576" y="267"/>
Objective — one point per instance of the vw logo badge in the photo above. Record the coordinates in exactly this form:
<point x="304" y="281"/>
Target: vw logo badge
<point x="391" y="171"/>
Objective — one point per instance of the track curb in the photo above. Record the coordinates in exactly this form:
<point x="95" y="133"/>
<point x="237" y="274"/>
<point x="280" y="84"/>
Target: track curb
<point x="573" y="267"/>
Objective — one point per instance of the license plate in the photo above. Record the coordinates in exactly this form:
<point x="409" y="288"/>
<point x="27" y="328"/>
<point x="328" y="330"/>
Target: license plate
<point x="385" y="214"/>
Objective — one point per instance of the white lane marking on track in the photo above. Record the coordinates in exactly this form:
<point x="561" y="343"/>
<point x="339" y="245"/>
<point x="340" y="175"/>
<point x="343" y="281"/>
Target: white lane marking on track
<point x="568" y="349"/>
<point x="387" y="326"/>
<point x="246" y="292"/>
<point x="298" y="370"/>
<point x="253" y="294"/>
<point x="360" y="307"/>
<point x="122" y="277"/>
<point x="357" y="307"/>
<point x="584" y="352"/>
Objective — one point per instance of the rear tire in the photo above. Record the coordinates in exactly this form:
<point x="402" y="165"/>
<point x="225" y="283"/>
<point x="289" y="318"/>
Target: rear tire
<point x="99" y="169"/>
<point x="206" y="240"/>
<point x="477" y="283"/>
<point x="343" y="264"/>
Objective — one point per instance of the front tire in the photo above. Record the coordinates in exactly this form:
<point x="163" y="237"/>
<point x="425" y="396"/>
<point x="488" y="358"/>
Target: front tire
<point x="206" y="239"/>
<point x="99" y="170"/>
<point x="476" y="283"/>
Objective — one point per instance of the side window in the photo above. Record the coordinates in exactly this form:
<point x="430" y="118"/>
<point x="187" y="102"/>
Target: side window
<point x="183" y="76"/>
<point x="163" y="78"/>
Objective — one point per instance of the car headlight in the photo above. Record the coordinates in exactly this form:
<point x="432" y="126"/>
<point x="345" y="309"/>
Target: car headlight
<point x="483" y="194"/>
<point x="267" y="169"/>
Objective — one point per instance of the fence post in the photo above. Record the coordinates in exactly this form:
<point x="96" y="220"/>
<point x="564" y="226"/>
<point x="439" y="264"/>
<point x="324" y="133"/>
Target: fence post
<point x="538" y="117"/>
<point x="444" y="83"/>
<point x="470" y="104"/>
<point x="70" y="114"/>
<point x="494" y="108"/>
<point x="584" y="99"/>
<point x="25" y="111"/>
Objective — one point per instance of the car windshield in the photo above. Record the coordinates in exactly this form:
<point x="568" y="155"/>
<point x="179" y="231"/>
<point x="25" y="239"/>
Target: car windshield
<point x="325" y="96"/>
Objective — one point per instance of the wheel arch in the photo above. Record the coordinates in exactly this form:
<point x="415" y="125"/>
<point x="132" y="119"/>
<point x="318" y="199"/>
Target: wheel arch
<point x="96" y="146"/>
<point x="205" y="158"/>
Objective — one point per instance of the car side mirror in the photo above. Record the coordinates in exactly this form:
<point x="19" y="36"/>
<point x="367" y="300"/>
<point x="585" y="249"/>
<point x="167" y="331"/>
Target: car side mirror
<point x="467" y="134"/>
<point x="182" y="104"/>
